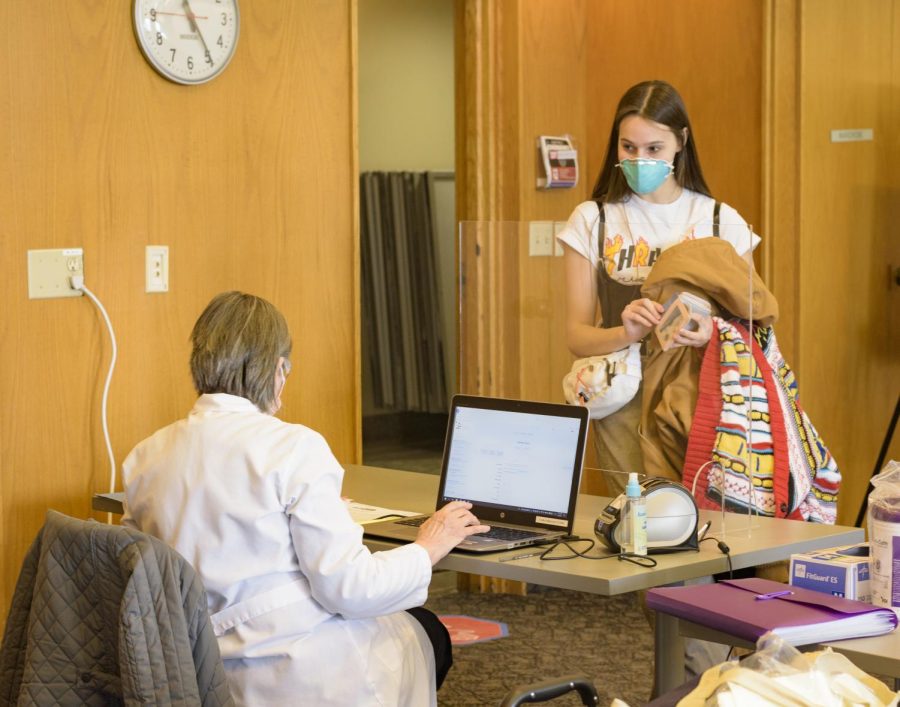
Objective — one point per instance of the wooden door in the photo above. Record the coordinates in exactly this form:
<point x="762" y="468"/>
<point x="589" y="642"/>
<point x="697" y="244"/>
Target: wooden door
<point x="834" y="196"/>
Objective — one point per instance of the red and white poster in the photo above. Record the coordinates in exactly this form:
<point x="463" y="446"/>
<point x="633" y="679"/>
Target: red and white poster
<point x="560" y="162"/>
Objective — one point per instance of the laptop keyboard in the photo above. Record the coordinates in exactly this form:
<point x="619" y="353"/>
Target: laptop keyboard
<point x="495" y="533"/>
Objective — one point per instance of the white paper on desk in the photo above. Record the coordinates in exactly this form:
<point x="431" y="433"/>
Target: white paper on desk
<point x="363" y="513"/>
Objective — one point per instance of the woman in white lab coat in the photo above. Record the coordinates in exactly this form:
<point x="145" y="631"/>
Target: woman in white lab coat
<point x="304" y="613"/>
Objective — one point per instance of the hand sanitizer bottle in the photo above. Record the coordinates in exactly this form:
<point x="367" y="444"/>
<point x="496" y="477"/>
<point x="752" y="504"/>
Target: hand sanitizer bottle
<point x="634" y="518"/>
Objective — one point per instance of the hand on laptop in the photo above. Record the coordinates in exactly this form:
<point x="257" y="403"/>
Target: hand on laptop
<point x="447" y="527"/>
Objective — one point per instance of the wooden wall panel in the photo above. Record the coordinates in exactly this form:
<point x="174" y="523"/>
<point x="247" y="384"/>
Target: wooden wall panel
<point x="487" y="119"/>
<point x="848" y="328"/>
<point x="781" y="167"/>
<point x="520" y="75"/>
<point x="835" y="65"/>
<point x="522" y="78"/>
<point x="251" y="182"/>
<point x="553" y="53"/>
<point x="710" y="50"/>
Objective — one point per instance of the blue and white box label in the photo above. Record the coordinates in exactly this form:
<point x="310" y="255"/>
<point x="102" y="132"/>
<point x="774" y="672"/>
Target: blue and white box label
<point x="840" y="571"/>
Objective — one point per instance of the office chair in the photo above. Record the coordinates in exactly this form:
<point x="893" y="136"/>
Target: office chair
<point x="551" y="689"/>
<point x="104" y="614"/>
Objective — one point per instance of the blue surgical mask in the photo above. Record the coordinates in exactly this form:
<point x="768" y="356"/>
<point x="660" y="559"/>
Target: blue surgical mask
<point x="645" y="176"/>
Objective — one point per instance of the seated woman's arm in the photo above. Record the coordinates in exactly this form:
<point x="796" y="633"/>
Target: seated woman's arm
<point x="344" y="576"/>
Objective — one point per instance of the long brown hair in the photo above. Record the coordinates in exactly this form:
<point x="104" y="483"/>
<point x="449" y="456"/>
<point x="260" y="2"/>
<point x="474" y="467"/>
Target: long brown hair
<point x="657" y="101"/>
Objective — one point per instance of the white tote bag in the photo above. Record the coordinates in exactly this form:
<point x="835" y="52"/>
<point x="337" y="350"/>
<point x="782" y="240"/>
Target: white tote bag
<point x="604" y="384"/>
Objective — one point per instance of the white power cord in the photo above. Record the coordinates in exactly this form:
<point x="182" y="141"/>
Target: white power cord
<point x="78" y="284"/>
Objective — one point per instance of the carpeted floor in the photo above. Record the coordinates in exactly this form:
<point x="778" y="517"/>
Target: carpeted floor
<point x="552" y="632"/>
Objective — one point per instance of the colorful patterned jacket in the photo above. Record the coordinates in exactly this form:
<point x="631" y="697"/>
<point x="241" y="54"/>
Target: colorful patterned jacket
<point x="793" y="475"/>
<point x="694" y="421"/>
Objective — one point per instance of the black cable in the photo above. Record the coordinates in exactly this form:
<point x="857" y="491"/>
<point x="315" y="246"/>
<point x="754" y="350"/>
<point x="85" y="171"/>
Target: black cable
<point x="725" y="550"/>
<point x="640" y="560"/>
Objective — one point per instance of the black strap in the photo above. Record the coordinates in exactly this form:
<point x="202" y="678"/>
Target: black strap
<point x="614" y="296"/>
<point x="439" y="637"/>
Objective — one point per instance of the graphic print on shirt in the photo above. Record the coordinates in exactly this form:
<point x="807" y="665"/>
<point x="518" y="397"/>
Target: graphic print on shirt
<point x="630" y="263"/>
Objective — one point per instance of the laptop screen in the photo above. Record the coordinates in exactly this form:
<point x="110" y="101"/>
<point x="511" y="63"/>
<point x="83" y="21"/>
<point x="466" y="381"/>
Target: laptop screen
<point x="515" y="456"/>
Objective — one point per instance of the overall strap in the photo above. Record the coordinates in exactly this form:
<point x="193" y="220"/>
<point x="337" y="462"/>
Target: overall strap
<point x="614" y="296"/>
<point x="716" y="210"/>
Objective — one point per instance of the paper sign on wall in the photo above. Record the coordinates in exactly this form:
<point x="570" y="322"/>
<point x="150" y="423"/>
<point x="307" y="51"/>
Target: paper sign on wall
<point x="559" y="160"/>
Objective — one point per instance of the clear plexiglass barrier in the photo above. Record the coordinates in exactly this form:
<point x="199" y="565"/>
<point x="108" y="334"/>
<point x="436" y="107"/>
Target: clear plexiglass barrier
<point x="532" y="296"/>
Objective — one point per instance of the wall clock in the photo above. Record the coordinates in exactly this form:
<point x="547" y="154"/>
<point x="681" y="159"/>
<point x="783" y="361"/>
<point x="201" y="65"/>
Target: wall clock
<point x="187" y="41"/>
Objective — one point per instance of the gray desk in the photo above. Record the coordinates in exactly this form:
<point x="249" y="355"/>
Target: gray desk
<point x="771" y="540"/>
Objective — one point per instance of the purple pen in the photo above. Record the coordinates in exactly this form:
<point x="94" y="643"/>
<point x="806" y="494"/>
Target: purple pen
<point x="772" y="595"/>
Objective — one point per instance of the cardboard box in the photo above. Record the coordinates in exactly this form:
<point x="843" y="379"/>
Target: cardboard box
<point x="842" y="571"/>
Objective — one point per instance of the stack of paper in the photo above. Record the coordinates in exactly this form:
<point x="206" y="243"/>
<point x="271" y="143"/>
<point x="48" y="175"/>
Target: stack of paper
<point x="363" y="513"/>
<point x="749" y="608"/>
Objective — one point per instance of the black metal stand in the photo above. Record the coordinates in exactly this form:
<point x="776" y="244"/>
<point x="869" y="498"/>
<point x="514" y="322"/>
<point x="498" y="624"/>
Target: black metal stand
<point x="878" y="464"/>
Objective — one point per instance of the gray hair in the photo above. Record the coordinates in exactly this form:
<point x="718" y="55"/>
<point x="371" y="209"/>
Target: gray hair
<point x="236" y="344"/>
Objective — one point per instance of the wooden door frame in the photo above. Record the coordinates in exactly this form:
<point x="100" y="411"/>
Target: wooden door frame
<point x="487" y="168"/>
<point x="781" y="167"/>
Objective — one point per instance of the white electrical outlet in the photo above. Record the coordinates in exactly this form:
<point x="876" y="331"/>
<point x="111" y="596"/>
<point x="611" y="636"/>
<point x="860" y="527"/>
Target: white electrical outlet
<point x="157" y="264"/>
<point x="540" y="238"/>
<point x="50" y="272"/>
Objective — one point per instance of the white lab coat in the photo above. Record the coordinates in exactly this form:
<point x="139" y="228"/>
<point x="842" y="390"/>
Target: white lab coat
<point x="304" y="613"/>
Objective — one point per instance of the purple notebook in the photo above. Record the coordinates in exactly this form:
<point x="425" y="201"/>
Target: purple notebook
<point x="748" y="608"/>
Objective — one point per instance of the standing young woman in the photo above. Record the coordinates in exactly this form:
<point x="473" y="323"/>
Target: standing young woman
<point x="649" y="196"/>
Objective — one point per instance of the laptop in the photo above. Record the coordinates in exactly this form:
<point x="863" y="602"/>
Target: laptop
<point x="517" y="462"/>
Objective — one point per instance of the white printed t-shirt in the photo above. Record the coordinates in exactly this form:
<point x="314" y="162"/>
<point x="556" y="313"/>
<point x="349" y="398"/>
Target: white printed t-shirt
<point x="637" y="231"/>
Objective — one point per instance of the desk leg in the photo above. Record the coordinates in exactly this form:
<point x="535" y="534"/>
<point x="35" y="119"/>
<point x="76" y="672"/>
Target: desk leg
<point x="668" y="654"/>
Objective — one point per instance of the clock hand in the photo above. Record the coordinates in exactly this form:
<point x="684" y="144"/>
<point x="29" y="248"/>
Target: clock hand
<point x="193" y="19"/>
<point x="180" y="14"/>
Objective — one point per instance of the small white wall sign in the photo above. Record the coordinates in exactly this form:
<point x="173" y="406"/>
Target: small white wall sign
<point x="858" y="135"/>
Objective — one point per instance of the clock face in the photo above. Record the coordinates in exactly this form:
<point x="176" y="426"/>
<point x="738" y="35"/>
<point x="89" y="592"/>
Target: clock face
<point x="187" y="41"/>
